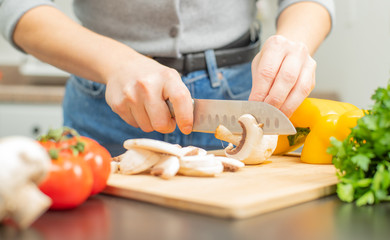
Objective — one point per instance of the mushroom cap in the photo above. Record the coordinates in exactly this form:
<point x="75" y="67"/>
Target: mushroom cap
<point x="23" y="159"/>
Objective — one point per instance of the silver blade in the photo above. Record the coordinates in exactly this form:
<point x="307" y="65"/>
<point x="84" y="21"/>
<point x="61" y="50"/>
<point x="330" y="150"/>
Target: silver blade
<point x="208" y="114"/>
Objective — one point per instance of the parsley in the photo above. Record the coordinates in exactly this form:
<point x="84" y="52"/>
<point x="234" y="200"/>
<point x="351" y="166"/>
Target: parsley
<point x="362" y="160"/>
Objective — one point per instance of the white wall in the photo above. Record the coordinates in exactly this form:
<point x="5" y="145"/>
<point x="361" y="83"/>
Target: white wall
<point x="353" y="61"/>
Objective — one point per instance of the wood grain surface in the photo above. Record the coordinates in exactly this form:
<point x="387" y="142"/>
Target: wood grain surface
<point x="280" y="182"/>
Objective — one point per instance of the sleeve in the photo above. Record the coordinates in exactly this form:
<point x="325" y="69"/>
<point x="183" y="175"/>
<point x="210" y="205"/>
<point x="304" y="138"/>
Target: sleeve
<point x="10" y="13"/>
<point x="328" y="4"/>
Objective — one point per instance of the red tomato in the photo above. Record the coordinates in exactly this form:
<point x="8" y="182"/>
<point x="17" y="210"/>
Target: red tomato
<point x="99" y="160"/>
<point x="49" y="144"/>
<point x="96" y="156"/>
<point x="69" y="182"/>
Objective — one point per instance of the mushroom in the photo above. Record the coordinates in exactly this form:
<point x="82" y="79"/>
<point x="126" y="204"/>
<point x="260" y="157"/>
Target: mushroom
<point x="230" y="164"/>
<point x="191" y="151"/>
<point x="172" y="159"/>
<point x="167" y="167"/>
<point x="200" y="166"/>
<point x="137" y="160"/>
<point x="252" y="147"/>
<point x="115" y="165"/>
<point x="24" y="163"/>
<point x="154" y="145"/>
<point x="224" y="134"/>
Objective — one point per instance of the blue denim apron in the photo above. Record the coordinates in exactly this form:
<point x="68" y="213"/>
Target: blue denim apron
<point x="85" y="108"/>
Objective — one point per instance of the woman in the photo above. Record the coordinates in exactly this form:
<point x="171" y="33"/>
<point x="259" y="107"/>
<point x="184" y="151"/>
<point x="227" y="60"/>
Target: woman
<point x="128" y="57"/>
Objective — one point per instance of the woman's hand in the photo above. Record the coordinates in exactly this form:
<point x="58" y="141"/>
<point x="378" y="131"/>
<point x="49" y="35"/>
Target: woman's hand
<point x="137" y="86"/>
<point x="137" y="92"/>
<point x="283" y="74"/>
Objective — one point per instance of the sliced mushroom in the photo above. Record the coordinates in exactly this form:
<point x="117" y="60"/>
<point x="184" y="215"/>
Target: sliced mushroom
<point x="200" y="166"/>
<point x="202" y="172"/>
<point x="154" y="145"/>
<point x="114" y="166"/>
<point x="230" y="164"/>
<point x="191" y="151"/>
<point x="166" y="160"/>
<point x="167" y="167"/>
<point x="197" y="161"/>
<point x="253" y="148"/>
<point x="136" y="160"/>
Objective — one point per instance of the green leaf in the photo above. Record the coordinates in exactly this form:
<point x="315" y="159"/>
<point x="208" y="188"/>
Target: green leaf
<point x="371" y="122"/>
<point x="378" y="177"/>
<point x="381" y="195"/>
<point x="345" y="192"/>
<point x="367" y="198"/>
<point x="365" y="182"/>
<point x="336" y="147"/>
<point x="361" y="161"/>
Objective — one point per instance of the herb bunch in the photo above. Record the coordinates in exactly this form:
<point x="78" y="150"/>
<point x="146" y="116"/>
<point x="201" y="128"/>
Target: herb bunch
<point x="362" y="160"/>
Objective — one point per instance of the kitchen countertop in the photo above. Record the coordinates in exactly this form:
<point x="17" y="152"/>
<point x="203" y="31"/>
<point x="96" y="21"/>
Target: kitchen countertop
<point x="17" y="88"/>
<point x="107" y="217"/>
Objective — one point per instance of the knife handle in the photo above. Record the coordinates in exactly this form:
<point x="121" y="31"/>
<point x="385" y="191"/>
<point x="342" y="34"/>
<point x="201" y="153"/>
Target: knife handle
<point x="170" y="106"/>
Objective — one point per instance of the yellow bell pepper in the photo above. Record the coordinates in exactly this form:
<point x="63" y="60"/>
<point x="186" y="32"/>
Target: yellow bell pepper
<point x="316" y="120"/>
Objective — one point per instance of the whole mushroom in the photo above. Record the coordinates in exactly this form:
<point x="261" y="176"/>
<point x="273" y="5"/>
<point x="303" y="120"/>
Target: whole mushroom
<point x="24" y="163"/>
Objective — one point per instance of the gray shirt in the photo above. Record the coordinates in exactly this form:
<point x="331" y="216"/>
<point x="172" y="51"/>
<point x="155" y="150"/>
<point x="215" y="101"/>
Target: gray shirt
<point x="158" y="27"/>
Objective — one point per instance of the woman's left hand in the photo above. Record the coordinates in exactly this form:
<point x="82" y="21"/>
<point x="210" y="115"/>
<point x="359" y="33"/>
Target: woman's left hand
<point x="283" y="74"/>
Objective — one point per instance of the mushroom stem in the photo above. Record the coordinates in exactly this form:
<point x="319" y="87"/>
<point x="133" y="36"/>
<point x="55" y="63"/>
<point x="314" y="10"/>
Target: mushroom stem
<point x="224" y="134"/>
<point x="253" y="148"/>
<point x="25" y="214"/>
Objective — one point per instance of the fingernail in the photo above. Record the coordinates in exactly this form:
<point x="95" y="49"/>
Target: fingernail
<point x="187" y="130"/>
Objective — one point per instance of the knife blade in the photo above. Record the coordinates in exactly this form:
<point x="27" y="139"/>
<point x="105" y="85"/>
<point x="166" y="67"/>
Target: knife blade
<point x="209" y="113"/>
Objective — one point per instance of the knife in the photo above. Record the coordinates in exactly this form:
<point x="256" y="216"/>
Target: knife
<point x="209" y="113"/>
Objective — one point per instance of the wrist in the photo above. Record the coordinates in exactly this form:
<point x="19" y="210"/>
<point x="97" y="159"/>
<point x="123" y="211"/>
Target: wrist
<point x="114" y="57"/>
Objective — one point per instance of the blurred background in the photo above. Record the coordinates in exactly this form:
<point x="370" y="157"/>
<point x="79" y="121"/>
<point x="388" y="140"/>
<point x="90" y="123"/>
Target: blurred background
<point x="352" y="62"/>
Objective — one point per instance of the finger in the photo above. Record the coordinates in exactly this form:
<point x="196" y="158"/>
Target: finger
<point x="285" y="79"/>
<point x="128" y="118"/>
<point x="141" y="117"/>
<point x="302" y="89"/>
<point x="180" y="97"/>
<point x="266" y="67"/>
<point x="124" y="111"/>
<point x="159" y="115"/>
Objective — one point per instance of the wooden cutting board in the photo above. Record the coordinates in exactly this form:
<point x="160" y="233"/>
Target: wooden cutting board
<point x="281" y="182"/>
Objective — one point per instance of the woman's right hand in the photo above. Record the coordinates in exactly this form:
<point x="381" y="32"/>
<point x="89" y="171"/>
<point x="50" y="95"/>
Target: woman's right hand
<point x="137" y="86"/>
<point x="137" y="91"/>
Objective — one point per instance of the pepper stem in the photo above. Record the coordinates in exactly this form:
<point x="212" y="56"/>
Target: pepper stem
<point x="299" y="137"/>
